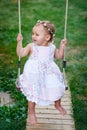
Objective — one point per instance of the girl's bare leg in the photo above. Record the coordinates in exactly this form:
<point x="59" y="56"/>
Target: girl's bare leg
<point x="31" y="112"/>
<point x="59" y="107"/>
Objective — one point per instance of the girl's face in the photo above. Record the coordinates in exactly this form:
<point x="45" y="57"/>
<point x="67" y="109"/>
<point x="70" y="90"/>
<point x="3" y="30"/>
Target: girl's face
<point x="40" y="36"/>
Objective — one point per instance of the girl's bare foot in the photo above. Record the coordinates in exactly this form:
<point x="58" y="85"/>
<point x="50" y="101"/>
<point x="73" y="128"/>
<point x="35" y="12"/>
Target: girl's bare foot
<point x="33" y="119"/>
<point x="61" y="109"/>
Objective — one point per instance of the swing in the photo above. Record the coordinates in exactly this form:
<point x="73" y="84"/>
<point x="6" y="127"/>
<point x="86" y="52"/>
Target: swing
<point x="64" y="60"/>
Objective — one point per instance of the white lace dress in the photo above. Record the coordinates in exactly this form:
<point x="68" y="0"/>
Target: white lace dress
<point x="42" y="81"/>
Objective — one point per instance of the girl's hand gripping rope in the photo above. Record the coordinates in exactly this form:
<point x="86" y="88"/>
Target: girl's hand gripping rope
<point x="19" y="38"/>
<point x="63" y="42"/>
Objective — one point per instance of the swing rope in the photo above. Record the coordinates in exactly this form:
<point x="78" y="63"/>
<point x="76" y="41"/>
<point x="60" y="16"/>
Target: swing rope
<point x="19" y="59"/>
<point x="19" y="16"/>
<point x="64" y="59"/>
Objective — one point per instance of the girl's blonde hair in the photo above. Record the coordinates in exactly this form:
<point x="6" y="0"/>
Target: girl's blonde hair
<point x="49" y="27"/>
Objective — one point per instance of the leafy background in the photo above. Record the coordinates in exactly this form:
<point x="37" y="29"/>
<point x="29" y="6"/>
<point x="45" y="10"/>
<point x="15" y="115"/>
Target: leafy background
<point x="14" y="117"/>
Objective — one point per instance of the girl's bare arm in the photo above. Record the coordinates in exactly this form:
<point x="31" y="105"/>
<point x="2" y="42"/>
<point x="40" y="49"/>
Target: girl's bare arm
<point x="59" y="53"/>
<point x="22" y="51"/>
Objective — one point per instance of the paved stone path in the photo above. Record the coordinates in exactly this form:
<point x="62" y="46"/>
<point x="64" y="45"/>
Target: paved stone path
<point x="5" y="99"/>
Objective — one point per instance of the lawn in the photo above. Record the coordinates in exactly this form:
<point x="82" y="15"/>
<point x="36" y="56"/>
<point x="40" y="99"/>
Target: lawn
<point x="76" y="53"/>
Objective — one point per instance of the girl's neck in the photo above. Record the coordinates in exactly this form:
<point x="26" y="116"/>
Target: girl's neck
<point x="45" y="44"/>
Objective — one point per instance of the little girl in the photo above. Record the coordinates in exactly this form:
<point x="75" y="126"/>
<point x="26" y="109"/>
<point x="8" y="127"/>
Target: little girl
<point x="42" y="82"/>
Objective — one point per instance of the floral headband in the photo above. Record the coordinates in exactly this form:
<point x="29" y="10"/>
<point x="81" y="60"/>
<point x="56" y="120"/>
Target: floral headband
<point x="46" y="26"/>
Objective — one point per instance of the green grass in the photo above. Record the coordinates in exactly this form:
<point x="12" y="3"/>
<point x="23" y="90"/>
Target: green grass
<point x="76" y="53"/>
